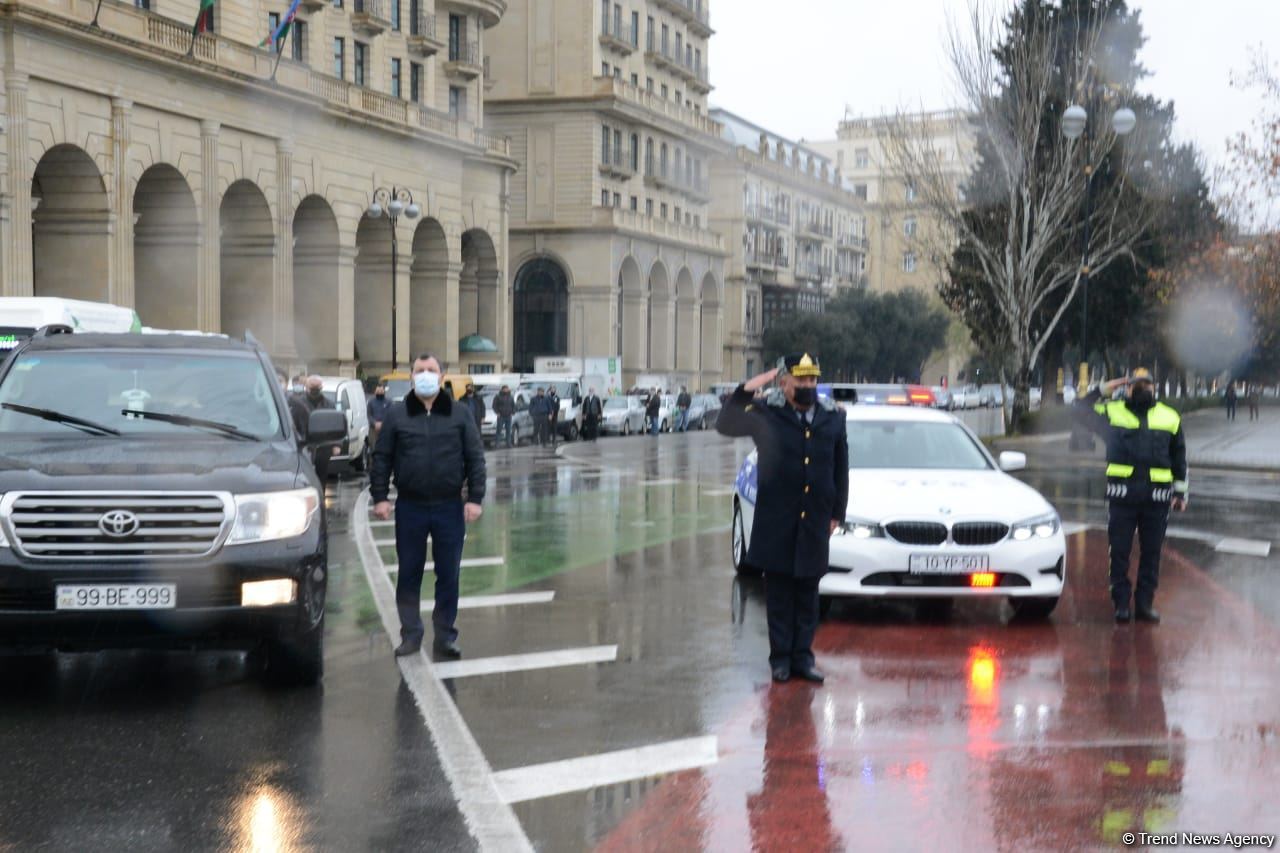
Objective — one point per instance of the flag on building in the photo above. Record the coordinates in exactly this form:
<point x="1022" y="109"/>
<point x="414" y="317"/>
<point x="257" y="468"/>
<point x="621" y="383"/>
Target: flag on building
<point x="282" y="31"/>
<point x="204" y="19"/>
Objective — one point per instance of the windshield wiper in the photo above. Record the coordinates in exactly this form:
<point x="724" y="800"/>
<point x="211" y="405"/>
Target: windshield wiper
<point x="62" y="418"/>
<point x="183" y="420"/>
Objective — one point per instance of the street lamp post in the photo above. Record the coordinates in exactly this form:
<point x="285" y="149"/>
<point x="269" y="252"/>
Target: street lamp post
<point x="1075" y="121"/>
<point x="393" y="203"/>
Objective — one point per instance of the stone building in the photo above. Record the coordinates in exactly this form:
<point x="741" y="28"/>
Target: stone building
<point x="209" y="189"/>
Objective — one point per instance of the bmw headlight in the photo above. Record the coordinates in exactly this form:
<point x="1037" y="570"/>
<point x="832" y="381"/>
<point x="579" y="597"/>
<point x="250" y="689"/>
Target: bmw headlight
<point x="274" y="515"/>
<point x="860" y="529"/>
<point x="1041" y="527"/>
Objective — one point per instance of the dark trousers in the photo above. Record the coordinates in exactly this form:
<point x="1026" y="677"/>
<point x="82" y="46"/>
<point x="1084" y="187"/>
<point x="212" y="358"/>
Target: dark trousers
<point x="321" y="456"/>
<point x="1231" y="410"/>
<point x="541" y="426"/>
<point x="1148" y="519"/>
<point x="590" y="428"/>
<point x="502" y="433"/>
<point x="445" y="524"/>
<point x="792" y="607"/>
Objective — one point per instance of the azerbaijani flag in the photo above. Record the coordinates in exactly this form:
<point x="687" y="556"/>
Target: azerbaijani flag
<point x="203" y="18"/>
<point x="283" y="30"/>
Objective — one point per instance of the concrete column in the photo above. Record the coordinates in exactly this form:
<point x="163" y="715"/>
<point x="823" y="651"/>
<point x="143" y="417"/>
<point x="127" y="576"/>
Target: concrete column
<point x="405" y="345"/>
<point x="209" y="277"/>
<point x="18" y="268"/>
<point x="282" y="287"/>
<point x="346" y="306"/>
<point x="121" y="287"/>
<point x="506" y="317"/>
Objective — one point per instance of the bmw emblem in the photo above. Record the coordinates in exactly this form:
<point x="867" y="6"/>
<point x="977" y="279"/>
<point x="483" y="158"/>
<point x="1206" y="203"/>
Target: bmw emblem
<point x="119" y="523"/>
<point x="945" y="510"/>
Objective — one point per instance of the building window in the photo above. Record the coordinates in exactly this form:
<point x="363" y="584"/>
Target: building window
<point x="457" y="35"/>
<point x="298" y="32"/>
<point x="677" y="212"/>
<point x="861" y="158"/>
<point x="678" y="98"/>
<point x="648" y="156"/>
<point x="911" y="192"/>
<point x="635" y="153"/>
<point x="604" y="144"/>
<point x="679" y="45"/>
<point x="617" y="72"/>
<point x="635" y="204"/>
<point x="648" y="207"/>
<point x="664" y="210"/>
<point x="340" y="58"/>
<point x="604" y="17"/>
<point x="635" y="80"/>
<point x="358" y="63"/>
<point x="649" y="37"/>
<point x="145" y="5"/>
<point x="648" y="85"/>
<point x="909" y="226"/>
<point x="458" y="102"/>
<point x="395" y="15"/>
<point x="908" y="261"/>
<point x="395" y="78"/>
<point x="415" y="82"/>
<point x="273" y="24"/>
<point x="617" y="200"/>
<point x="662" y="161"/>
<point x="337" y="4"/>
<point x="617" y="147"/>
<point x="604" y="198"/>
<point x="697" y="221"/>
<point x="617" y="21"/>
<point x="635" y="29"/>
<point x="666" y="40"/>
<point x="697" y="61"/>
<point x="666" y="93"/>
<point x="860" y="190"/>
<point x="604" y="69"/>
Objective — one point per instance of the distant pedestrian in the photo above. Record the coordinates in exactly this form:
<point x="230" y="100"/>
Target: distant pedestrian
<point x="315" y="400"/>
<point x="1254" y="397"/>
<point x="653" y="411"/>
<point x="553" y="401"/>
<point x="592" y="412"/>
<point x="504" y="407"/>
<point x="683" y="402"/>
<point x="431" y="447"/>
<point x="298" y="412"/>
<point x="475" y="405"/>
<point x="540" y="413"/>
<point x="1230" y="399"/>
<point x="377" y="410"/>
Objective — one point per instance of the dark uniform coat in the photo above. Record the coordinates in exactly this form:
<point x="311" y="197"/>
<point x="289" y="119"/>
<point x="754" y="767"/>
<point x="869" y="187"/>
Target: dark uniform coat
<point x="803" y="484"/>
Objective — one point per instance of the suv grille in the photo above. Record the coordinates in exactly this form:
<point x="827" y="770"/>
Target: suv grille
<point x="978" y="532"/>
<point x="917" y="532"/>
<point x="117" y="525"/>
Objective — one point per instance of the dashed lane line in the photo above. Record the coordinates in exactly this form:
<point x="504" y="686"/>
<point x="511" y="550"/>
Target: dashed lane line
<point x="471" y="602"/>
<point x="526" y="662"/>
<point x="484" y="808"/>
<point x="611" y="768"/>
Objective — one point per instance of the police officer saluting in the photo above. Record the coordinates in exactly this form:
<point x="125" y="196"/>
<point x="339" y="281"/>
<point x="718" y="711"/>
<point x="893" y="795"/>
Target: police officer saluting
<point x="803" y="465"/>
<point x="1146" y="472"/>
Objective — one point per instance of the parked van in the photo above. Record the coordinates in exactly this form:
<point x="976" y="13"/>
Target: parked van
<point x="347" y="396"/>
<point x="21" y="316"/>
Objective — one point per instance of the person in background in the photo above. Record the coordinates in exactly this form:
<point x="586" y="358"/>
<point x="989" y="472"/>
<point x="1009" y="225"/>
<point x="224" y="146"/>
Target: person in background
<point x="298" y="411"/>
<point x="377" y="410"/>
<point x="475" y="405"/>
<point x="653" y="411"/>
<point x="683" y="402"/>
<point x="592" y="412"/>
<point x="553" y="401"/>
<point x="1253" y="396"/>
<point x="504" y="406"/>
<point x="315" y="400"/>
<point x="540" y="413"/>
<point x="1230" y="399"/>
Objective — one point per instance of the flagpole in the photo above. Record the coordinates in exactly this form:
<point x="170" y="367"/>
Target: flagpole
<point x="94" y="22"/>
<point x="280" y="54"/>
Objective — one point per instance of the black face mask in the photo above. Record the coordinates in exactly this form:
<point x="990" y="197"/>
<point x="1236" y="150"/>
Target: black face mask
<point x="806" y="396"/>
<point x="1143" y="398"/>
<point x="380" y="395"/>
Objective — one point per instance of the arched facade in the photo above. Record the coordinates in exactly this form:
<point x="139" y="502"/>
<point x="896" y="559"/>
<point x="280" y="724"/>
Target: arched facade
<point x="70" y="226"/>
<point x="541" y="305"/>
<point x="316" y="262"/>
<point x="247" y="263"/>
<point x="166" y="242"/>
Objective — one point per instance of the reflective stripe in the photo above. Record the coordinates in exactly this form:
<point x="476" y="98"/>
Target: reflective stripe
<point x="1117" y="470"/>
<point x="1181" y="486"/>
<point x="1120" y="416"/>
<point x="1161" y="475"/>
<point x="1100" y="408"/>
<point x="1163" y="418"/>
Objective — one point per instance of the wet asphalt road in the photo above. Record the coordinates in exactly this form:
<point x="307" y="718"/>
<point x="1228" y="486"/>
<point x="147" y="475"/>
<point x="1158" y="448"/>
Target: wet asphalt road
<point x="969" y="734"/>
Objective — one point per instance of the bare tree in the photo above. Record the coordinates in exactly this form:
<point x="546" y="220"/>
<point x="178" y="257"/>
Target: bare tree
<point x="1020" y="219"/>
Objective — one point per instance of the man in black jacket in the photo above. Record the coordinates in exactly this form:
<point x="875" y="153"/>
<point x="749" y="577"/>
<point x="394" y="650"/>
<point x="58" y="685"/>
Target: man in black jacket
<point x="313" y="401"/>
<point x="379" y="405"/>
<point x="504" y="406"/>
<point x="592" y="412"/>
<point x="432" y="447"/>
<point x="802" y="494"/>
<point x="540" y="413"/>
<point x="476" y="405"/>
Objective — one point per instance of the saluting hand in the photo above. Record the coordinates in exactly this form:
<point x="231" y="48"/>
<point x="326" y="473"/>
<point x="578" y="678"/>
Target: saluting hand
<point x="758" y="382"/>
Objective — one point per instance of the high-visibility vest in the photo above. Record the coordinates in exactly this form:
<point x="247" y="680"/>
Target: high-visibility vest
<point x="1159" y="417"/>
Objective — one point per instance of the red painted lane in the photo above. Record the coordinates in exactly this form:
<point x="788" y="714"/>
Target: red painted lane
<point x="978" y="735"/>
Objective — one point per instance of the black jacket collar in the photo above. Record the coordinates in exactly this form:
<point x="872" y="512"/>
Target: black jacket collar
<point x="442" y="406"/>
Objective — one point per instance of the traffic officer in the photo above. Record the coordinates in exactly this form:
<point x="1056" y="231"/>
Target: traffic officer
<point x="1146" y="473"/>
<point x="803" y="490"/>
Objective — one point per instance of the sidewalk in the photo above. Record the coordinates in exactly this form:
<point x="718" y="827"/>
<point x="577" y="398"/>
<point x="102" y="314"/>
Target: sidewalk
<point x="1212" y="441"/>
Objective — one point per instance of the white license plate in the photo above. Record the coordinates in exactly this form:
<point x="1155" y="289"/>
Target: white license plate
<point x="122" y="596"/>
<point x="948" y="564"/>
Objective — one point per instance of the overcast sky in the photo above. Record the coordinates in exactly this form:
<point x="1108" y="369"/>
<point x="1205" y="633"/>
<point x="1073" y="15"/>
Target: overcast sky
<point x="793" y="66"/>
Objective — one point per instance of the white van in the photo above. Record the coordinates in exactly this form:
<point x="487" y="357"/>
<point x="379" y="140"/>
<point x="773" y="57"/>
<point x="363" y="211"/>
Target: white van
<point x="347" y="396"/>
<point x="569" y="389"/>
<point x="21" y="316"/>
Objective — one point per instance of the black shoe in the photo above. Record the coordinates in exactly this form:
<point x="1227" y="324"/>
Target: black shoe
<point x="1148" y="614"/>
<point x="781" y="674"/>
<point x="1123" y="616"/>
<point x="450" y="650"/>
<point x="811" y="674"/>
<point x="408" y="647"/>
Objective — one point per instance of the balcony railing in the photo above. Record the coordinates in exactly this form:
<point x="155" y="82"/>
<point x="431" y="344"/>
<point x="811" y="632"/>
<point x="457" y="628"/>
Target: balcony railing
<point x="618" y="165"/>
<point x="493" y="143"/>
<point x="693" y="73"/>
<point x="816" y="271"/>
<point x="784" y="217"/>
<point x="370" y="16"/>
<point x="422" y="34"/>
<point x="637" y="222"/>
<point x="464" y="58"/>
<point x="761" y="213"/>
<point x="628" y="93"/>
<point x="625" y="41"/>
<point x="695" y="12"/>
<point x="675" y="181"/>
<point x="820" y="229"/>
<point x="853" y="242"/>
<point x="767" y="260"/>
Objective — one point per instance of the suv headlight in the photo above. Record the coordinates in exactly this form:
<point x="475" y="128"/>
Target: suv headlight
<point x="1041" y="527"/>
<point x="274" y="515"/>
<point x="859" y="529"/>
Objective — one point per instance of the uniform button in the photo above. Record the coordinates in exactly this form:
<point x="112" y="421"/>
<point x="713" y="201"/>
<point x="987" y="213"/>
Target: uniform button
<point x="806" y="490"/>
<point x="806" y="460"/>
<point x="806" y="433"/>
<point x="802" y="515"/>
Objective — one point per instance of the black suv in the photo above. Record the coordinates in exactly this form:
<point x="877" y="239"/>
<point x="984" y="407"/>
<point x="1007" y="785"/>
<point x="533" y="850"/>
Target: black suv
<point x="154" y="493"/>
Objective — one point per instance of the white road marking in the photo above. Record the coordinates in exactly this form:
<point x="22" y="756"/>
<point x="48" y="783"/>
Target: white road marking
<point x="1247" y="547"/>
<point x="592" y="771"/>
<point x="1196" y="535"/>
<point x="718" y="493"/>
<point x="488" y="815"/>
<point x="478" y="562"/>
<point x="470" y="602"/>
<point x="649" y="483"/>
<point x="526" y="662"/>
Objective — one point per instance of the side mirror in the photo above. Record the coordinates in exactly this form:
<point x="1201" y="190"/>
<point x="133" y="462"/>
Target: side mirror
<point x="326" y="426"/>
<point x="1012" y="461"/>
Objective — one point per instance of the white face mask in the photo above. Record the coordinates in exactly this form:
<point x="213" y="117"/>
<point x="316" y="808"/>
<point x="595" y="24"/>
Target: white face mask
<point x="426" y="383"/>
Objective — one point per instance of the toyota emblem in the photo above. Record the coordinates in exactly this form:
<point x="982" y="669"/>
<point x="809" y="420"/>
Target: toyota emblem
<point x="119" y="523"/>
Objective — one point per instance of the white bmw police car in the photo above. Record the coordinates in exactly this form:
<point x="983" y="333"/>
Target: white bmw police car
<point x="932" y="516"/>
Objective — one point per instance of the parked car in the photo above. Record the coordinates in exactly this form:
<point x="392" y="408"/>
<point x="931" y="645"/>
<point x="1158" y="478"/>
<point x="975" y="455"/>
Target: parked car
<point x="967" y="397"/>
<point x="883" y="394"/>
<point x="169" y="505"/>
<point x="622" y="416"/>
<point x="931" y="516"/>
<point x="942" y="398"/>
<point x="521" y="422"/>
<point x="347" y="396"/>
<point x="704" y="411"/>
<point x="991" y="396"/>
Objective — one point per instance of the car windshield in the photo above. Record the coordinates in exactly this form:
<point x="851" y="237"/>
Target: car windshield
<point x="913" y="444"/>
<point x="620" y="403"/>
<point x="563" y="389"/>
<point x="227" y="389"/>
<point x="397" y="388"/>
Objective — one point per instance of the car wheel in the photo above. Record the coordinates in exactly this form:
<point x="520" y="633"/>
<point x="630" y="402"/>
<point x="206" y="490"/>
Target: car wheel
<point x="515" y="436"/>
<point x="626" y="428"/>
<point x="572" y="435"/>
<point x="935" y="609"/>
<point x="666" y="427"/>
<point x="297" y="660"/>
<point x="361" y="462"/>
<point x="824" y="605"/>
<point x="740" y="564"/>
<point x="1033" y="608"/>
